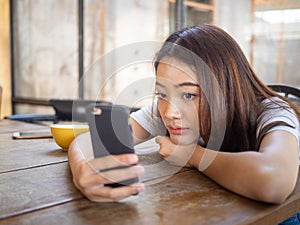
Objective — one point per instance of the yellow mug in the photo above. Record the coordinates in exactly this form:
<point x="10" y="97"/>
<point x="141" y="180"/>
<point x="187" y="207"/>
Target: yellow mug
<point x="64" y="134"/>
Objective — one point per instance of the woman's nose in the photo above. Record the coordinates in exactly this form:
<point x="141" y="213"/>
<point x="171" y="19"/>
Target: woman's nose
<point x="172" y="111"/>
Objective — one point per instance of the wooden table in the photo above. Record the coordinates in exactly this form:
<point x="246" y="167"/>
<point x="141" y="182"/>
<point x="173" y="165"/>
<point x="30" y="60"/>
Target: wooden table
<point x="36" y="188"/>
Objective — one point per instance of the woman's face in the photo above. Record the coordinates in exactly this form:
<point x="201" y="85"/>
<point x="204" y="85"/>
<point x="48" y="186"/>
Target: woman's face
<point x="178" y="101"/>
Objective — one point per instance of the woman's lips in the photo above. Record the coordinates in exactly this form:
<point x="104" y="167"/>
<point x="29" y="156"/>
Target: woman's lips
<point x="177" y="131"/>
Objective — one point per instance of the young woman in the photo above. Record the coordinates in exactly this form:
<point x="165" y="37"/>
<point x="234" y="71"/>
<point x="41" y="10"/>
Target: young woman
<point x="212" y="113"/>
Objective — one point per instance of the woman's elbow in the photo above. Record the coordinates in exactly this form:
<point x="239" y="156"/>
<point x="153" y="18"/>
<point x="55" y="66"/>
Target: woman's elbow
<point x="274" y="195"/>
<point x="276" y="188"/>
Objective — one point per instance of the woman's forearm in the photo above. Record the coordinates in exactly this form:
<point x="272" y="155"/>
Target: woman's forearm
<point x="246" y="174"/>
<point x="264" y="176"/>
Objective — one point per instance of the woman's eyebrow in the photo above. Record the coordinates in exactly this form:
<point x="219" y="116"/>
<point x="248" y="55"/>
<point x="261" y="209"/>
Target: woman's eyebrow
<point x="187" y="84"/>
<point x="159" y="84"/>
<point x="179" y="85"/>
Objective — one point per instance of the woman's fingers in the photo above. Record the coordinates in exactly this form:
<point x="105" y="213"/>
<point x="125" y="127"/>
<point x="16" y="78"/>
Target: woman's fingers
<point x="93" y="183"/>
<point x="163" y="149"/>
<point x="114" y="194"/>
<point x="91" y="178"/>
<point x="118" y="175"/>
<point x="113" y="161"/>
<point x="159" y="139"/>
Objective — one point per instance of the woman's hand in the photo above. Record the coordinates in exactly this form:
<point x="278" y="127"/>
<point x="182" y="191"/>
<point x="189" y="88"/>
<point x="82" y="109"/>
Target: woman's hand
<point x="91" y="182"/>
<point x="180" y="155"/>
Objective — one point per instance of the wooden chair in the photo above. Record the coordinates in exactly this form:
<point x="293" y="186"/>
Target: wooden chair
<point x="65" y="110"/>
<point x="288" y="91"/>
<point x="72" y="109"/>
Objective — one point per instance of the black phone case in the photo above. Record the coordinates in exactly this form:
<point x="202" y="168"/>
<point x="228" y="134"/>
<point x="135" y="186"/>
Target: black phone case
<point x="110" y="133"/>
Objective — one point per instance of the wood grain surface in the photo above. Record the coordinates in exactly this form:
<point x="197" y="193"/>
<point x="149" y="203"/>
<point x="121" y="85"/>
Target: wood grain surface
<point x="36" y="188"/>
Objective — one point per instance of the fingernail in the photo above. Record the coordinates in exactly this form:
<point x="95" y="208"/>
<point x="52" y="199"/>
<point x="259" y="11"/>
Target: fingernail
<point x="140" y="188"/>
<point x="140" y="170"/>
<point x="132" y="159"/>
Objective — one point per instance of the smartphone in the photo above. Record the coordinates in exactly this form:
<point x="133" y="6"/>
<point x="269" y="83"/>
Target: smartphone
<point x="32" y="135"/>
<point x="110" y="133"/>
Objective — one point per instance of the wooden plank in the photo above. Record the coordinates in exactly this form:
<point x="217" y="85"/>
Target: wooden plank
<point x="0" y="99"/>
<point x="200" y="6"/>
<point x="23" y="154"/>
<point x="157" y="168"/>
<point x="18" y="154"/>
<point x="39" y="194"/>
<point x="26" y="190"/>
<point x="265" y="5"/>
<point x="36" y="188"/>
<point x="185" y="198"/>
<point x="9" y="126"/>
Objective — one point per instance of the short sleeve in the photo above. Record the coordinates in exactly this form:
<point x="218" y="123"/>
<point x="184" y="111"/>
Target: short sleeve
<point x="274" y="113"/>
<point x="149" y="119"/>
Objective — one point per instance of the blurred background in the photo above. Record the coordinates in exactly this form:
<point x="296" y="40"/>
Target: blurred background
<point x="47" y="46"/>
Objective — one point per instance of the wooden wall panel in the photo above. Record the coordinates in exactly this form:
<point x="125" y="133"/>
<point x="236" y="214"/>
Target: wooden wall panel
<point x="46" y="51"/>
<point x="5" y="80"/>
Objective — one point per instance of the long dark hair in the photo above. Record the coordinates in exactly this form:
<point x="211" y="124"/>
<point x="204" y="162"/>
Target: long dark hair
<point x="242" y="91"/>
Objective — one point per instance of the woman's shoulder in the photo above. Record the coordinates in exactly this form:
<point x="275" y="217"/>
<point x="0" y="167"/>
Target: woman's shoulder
<point x="275" y="101"/>
<point x="276" y="110"/>
<point x="276" y="106"/>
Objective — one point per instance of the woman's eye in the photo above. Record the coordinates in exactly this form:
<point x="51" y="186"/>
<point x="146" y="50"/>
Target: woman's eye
<point x="161" y="95"/>
<point x="189" y="96"/>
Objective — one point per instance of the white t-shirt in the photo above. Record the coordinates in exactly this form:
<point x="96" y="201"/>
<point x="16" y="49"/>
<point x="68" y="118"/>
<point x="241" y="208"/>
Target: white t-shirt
<point x="150" y="120"/>
<point x="274" y="113"/>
